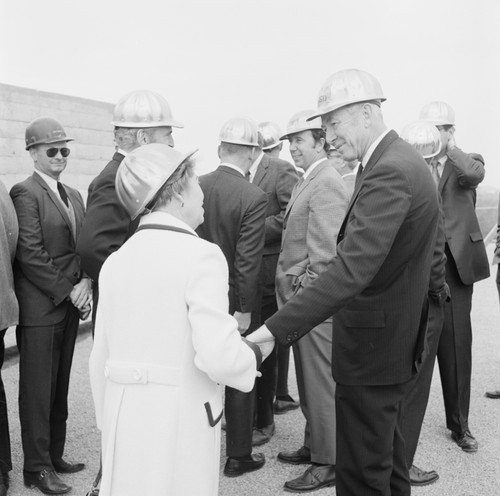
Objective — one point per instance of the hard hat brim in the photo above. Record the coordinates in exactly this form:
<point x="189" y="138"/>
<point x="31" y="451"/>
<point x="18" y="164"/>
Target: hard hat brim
<point x="154" y="191"/>
<point x="299" y="130"/>
<point x="274" y="145"/>
<point x="351" y="101"/>
<point x="49" y="141"/>
<point x="240" y="142"/>
<point x="143" y="125"/>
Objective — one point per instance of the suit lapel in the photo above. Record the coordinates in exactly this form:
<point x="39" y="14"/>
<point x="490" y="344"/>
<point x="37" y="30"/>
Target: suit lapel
<point x="230" y="170"/>
<point x="375" y="157"/>
<point x="55" y="200"/>
<point x="77" y="209"/>
<point x="446" y="174"/>
<point x="261" y="170"/>
<point x="302" y="184"/>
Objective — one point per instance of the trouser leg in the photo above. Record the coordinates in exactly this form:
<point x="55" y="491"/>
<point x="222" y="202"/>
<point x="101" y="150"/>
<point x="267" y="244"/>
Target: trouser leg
<point x="418" y="396"/>
<point x="5" y="453"/>
<point x="370" y="444"/>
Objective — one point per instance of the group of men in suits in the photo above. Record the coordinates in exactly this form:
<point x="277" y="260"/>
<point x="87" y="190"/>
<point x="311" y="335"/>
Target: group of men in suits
<point x="303" y="255"/>
<point x="379" y="289"/>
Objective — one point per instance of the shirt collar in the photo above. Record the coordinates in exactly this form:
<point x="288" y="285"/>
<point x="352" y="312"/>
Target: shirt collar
<point x="313" y="166"/>
<point x="51" y="182"/>
<point x="372" y="147"/>
<point x="255" y="165"/>
<point x="232" y="166"/>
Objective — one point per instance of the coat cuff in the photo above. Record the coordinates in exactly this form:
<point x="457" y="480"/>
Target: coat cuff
<point x="256" y="350"/>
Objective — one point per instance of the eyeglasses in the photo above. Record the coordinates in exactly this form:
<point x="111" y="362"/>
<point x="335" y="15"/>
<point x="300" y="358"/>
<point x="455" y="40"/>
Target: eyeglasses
<point x="52" y="152"/>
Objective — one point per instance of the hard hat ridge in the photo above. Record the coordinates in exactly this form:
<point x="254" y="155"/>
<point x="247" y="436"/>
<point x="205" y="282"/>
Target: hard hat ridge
<point x="345" y="88"/>
<point x="143" y="172"/>
<point x="143" y="109"/>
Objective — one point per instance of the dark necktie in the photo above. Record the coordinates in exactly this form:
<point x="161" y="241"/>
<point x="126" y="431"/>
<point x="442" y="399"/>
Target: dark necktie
<point x="62" y="193"/>
<point x="247" y="176"/>
<point x="435" y="171"/>
<point x="358" y="175"/>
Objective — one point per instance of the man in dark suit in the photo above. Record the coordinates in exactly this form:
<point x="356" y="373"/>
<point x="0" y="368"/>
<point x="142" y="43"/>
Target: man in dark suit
<point x="457" y="175"/>
<point x="235" y="215"/>
<point x="272" y="146"/>
<point x="9" y="316"/>
<point x="139" y="117"/>
<point x="375" y="288"/>
<point x="496" y="261"/>
<point x="52" y="291"/>
<point x="425" y="138"/>
<point x="276" y="178"/>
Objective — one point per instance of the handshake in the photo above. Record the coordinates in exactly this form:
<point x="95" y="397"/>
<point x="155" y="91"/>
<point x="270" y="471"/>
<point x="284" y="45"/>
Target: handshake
<point x="263" y="338"/>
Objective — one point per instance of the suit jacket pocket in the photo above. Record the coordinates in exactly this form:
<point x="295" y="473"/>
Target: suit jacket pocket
<point x="476" y="236"/>
<point x="364" y="318"/>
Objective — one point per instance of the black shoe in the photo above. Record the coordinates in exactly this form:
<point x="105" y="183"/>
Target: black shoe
<point x="466" y="441"/>
<point x="419" y="477"/>
<point x="263" y="435"/>
<point x="315" y="477"/>
<point x="63" y="467"/>
<point x="494" y="395"/>
<point x="47" y="481"/>
<point x="239" y="466"/>
<point x="285" y="404"/>
<point x="299" y="457"/>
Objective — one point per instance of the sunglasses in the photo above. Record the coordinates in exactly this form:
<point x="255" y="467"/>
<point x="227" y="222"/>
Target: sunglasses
<point x="52" y="152"/>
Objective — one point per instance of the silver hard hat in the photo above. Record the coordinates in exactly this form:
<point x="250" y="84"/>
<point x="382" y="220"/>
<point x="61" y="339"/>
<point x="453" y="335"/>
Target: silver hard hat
<point x="423" y="136"/>
<point x="439" y="113"/>
<point x="270" y="133"/>
<point x="143" y="172"/>
<point x="346" y="87"/>
<point x="142" y="109"/>
<point x="301" y="121"/>
<point x="239" y="131"/>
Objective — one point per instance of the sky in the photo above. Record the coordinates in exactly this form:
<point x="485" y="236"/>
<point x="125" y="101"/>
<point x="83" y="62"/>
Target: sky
<point x="265" y="59"/>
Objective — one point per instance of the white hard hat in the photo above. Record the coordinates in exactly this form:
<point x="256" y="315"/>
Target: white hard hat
<point x="424" y="137"/>
<point x="301" y="121"/>
<point x="270" y="133"/>
<point x="143" y="108"/>
<point x="239" y="131"/>
<point x="143" y="172"/>
<point x="346" y="87"/>
<point x="439" y="113"/>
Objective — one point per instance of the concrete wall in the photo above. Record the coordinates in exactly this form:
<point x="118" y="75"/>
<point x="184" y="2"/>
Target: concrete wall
<point x="87" y="121"/>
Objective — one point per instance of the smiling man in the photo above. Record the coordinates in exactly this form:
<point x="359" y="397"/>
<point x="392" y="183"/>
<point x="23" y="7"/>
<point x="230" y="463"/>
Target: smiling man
<point x="312" y="221"/>
<point x="52" y="290"/>
<point x="375" y="287"/>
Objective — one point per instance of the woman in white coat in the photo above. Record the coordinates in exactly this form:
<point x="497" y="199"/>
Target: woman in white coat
<point x="164" y="341"/>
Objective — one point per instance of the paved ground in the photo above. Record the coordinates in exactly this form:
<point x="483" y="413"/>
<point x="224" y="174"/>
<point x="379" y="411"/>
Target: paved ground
<point x="461" y="474"/>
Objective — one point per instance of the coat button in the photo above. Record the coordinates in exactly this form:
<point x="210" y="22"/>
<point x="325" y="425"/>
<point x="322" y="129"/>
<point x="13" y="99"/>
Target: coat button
<point x="137" y="374"/>
<point x="295" y="334"/>
<point x="289" y="338"/>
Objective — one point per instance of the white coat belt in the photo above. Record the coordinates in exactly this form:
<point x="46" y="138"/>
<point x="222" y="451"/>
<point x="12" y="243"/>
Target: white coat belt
<point x="141" y="373"/>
